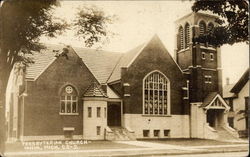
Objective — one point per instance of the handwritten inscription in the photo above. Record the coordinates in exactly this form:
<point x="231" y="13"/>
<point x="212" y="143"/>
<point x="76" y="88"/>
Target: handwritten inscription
<point x="54" y="145"/>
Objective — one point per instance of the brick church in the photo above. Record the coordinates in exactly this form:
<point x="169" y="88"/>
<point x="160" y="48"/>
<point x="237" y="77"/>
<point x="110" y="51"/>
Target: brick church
<point x="78" y="93"/>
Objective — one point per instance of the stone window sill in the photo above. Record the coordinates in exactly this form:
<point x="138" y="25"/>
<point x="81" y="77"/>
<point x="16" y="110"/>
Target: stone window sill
<point x="68" y="114"/>
<point x="150" y="115"/>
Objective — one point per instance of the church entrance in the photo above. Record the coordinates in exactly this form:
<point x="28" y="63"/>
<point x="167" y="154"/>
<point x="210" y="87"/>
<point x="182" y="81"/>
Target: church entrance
<point x="114" y="114"/>
<point x="215" y="117"/>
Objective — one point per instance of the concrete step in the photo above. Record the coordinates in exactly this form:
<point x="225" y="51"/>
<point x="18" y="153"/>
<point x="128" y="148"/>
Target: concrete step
<point x="120" y="133"/>
<point x="225" y="135"/>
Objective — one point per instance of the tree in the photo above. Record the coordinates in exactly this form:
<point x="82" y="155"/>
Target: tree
<point x="91" y="24"/>
<point x="22" y="23"/>
<point x="232" y="22"/>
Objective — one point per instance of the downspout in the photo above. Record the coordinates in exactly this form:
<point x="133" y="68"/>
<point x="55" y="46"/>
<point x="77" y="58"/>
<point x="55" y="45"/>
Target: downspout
<point x="24" y="94"/>
<point x="190" y="110"/>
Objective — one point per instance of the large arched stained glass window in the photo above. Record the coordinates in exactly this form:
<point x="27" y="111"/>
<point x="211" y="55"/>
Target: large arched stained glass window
<point x="156" y="94"/>
<point x="69" y="100"/>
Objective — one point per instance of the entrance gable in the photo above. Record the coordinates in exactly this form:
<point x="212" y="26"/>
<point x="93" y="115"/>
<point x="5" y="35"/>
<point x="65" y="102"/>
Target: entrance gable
<point x="217" y="102"/>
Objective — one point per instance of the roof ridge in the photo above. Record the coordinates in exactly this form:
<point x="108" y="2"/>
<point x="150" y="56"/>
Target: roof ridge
<point x="94" y="90"/>
<point x="115" y="67"/>
<point x="96" y="50"/>
<point x="142" y="46"/>
<point x="124" y="61"/>
<point x="84" y="63"/>
<point x="241" y="82"/>
<point x="42" y="60"/>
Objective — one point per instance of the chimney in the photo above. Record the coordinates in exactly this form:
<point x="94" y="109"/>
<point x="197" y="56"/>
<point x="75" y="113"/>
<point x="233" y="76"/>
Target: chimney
<point x="227" y="81"/>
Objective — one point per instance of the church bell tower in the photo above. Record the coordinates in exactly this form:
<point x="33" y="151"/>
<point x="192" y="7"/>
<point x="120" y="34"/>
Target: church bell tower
<point x="201" y="62"/>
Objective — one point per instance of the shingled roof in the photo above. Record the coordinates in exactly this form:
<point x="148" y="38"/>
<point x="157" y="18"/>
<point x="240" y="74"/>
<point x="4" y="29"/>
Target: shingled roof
<point x="124" y="61"/>
<point x="101" y="63"/>
<point x="211" y="102"/>
<point x="94" y="90"/>
<point x="209" y="98"/>
<point x="105" y="66"/>
<point x="226" y="91"/>
<point x="42" y="60"/>
<point x="241" y="83"/>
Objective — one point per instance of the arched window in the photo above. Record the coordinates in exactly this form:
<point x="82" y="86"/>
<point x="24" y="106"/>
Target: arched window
<point x="202" y="26"/>
<point x="187" y="35"/>
<point x="210" y="27"/>
<point x="156" y="94"/>
<point x="69" y="100"/>
<point x="181" y="41"/>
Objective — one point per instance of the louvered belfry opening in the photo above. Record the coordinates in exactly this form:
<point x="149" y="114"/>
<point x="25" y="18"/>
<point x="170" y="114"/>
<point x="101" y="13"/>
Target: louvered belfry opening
<point x="181" y="38"/>
<point x="202" y="26"/>
<point x="210" y="27"/>
<point x="187" y="35"/>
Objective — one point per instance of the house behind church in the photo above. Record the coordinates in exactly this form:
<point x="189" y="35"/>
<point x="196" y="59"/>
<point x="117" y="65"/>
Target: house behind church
<point x="237" y="96"/>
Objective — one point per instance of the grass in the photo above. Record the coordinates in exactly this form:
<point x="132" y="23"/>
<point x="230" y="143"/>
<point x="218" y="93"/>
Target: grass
<point x="92" y="145"/>
<point x="17" y="147"/>
<point x="191" y="142"/>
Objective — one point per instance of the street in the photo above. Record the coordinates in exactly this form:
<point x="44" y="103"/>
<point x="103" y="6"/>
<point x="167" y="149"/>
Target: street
<point x="230" y="154"/>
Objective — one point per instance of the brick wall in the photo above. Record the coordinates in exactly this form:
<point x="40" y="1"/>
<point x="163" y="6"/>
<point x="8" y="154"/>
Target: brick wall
<point x="153" y="57"/>
<point x="42" y="105"/>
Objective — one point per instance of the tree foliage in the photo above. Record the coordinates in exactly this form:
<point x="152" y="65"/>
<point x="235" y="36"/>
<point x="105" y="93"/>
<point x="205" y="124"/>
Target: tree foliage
<point x="91" y="24"/>
<point x="23" y="22"/>
<point x="232" y="22"/>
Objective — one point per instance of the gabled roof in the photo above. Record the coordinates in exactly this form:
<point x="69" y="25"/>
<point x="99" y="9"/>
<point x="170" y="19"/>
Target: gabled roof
<point x="129" y="57"/>
<point x="105" y="66"/>
<point x="42" y="60"/>
<point x="100" y="63"/>
<point x="241" y="83"/>
<point x="111" y="94"/>
<point x="226" y="91"/>
<point x="124" y="61"/>
<point x="214" y="101"/>
<point x="209" y="98"/>
<point x="94" y="90"/>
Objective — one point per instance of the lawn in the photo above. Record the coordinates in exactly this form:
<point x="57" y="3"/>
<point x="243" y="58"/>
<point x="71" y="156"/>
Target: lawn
<point x="91" y="145"/>
<point x="190" y="142"/>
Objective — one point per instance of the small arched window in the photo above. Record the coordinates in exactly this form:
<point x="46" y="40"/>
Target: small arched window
<point x="69" y="100"/>
<point x="210" y="27"/>
<point x="181" y="41"/>
<point x="156" y="94"/>
<point x="187" y="35"/>
<point x="202" y="26"/>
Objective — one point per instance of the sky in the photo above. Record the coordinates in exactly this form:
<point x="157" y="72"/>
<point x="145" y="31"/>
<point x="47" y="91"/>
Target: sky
<point x="138" y="21"/>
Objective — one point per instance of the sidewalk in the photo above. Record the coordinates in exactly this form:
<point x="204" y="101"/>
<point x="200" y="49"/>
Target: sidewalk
<point x="135" y="148"/>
